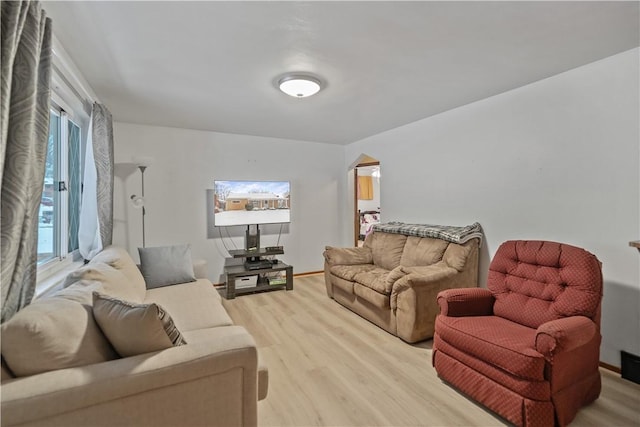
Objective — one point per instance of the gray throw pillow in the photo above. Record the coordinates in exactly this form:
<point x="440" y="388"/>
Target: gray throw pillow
<point x="166" y="265"/>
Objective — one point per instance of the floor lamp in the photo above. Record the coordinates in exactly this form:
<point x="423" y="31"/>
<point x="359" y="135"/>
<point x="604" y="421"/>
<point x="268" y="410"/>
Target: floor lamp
<point x="139" y="202"/>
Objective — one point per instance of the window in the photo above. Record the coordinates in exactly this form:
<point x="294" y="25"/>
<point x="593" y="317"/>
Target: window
<point x="59" y="212"/>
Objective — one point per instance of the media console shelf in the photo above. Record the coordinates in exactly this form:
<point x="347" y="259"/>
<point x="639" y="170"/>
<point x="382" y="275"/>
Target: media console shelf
<point x="234" y="272"/>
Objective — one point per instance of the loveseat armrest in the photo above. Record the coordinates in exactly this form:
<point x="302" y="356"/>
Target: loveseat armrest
<point x="216" y="377"/>
<point x="413" y="298"/>
<point x="563" y="335"/>
<point x="423" y="276"/>
<point x="433" y="277"/>
<point x="348" y="256"/>
<point x="466" y="302"/>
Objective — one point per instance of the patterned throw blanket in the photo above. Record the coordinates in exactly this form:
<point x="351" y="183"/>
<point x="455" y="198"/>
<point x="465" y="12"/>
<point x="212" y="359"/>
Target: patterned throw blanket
<point x="449" y="233"/>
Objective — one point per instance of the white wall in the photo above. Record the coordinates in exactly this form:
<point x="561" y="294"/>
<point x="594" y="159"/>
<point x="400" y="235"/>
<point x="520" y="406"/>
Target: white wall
<point x="557" y="160"/>
<point x="185" y="163"/>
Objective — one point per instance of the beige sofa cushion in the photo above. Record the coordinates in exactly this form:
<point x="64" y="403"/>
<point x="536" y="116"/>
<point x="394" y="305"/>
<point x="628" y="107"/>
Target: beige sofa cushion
<point x="107" y="280"/>
<point x="456" y="255"/>
<point x="386" y="249"/>
<point x="55" y="333"/>
<point x="375" y="279"/>
<point x="422" y="251"/>
<point x="135" y="328"/>
<point x="349" y="272"/>
<point x="120" y="259"/>
<point x="371" y="296"/>
<point x="194" y="305"/>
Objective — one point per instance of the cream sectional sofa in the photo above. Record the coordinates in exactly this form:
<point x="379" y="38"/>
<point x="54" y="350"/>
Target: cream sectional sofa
<point x="58" y="368"/>
<point x="393" y="280"/>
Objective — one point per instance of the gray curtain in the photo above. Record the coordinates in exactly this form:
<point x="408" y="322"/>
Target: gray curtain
<point x="24" y="119"/>
<point x="96" y="215"/>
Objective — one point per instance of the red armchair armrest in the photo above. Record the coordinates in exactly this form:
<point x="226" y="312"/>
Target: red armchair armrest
<point x="564" y="334"/>
<point x="466" y="302"/>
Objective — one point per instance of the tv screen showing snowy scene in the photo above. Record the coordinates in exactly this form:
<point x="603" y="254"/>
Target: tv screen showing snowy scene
<point x="251" y="202"/>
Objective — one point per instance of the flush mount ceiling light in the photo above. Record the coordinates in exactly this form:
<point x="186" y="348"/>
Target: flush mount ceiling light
<point x="299" y="85"/>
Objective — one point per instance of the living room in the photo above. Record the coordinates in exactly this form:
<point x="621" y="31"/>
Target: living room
<point x="536" y="145"/>
<point x="555" y="157"/>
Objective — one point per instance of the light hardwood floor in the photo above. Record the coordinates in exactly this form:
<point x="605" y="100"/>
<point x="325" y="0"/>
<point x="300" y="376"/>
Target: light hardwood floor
<point x="330" y="367"/>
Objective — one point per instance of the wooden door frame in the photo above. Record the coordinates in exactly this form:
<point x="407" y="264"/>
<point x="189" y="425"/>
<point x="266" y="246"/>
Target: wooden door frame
<point x="356" y="213"/>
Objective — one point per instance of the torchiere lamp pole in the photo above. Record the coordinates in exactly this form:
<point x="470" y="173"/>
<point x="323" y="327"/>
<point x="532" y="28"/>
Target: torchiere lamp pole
<point x="139" y="202"/>
<point x="144" y="212"/>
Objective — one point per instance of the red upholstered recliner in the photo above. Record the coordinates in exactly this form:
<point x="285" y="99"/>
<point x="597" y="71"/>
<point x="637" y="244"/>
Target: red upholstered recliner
<point x="528" y="347"/>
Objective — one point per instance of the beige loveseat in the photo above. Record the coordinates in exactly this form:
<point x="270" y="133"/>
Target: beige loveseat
<point x="60" y="370"/>
<point x="393" y="280"/>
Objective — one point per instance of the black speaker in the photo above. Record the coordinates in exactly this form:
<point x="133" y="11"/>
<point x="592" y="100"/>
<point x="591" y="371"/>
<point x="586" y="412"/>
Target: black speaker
<point x="630" y="367"/>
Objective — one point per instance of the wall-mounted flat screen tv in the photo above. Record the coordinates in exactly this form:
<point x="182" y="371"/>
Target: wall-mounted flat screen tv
<point x="251" y="202"/>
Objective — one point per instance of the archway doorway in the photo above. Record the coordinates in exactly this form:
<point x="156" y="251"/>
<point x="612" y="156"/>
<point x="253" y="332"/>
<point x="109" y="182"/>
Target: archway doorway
<point x="365" y="196"/>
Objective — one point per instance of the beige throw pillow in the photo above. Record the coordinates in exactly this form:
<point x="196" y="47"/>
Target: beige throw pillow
<point x="135" y="328"/>
<point x="54" y="333"/>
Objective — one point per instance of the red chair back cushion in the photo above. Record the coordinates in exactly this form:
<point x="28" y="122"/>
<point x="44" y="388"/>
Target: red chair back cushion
<point x="537" y="281"/>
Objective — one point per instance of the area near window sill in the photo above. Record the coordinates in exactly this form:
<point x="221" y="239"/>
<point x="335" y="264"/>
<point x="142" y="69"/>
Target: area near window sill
<point x="50" y="278"/>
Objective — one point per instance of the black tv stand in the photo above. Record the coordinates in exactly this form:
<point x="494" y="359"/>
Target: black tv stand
<point x="252" y="238"/>
<point x="256" y="266"/>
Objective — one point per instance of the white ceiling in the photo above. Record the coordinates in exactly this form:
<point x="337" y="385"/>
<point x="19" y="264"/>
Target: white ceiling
<point x="212" y="65"/>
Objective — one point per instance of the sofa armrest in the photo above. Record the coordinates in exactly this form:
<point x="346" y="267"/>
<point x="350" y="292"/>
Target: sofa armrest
<point x="348" y="256"/>
<point x="466" y="302"/>
<point x="562" y="335"/>
<point x="433" y="277"/>
<point x="162" y="379"/>
<point x="413" y="297"/>
<point x="429" y="273"/>
<point x="423" y="276"/>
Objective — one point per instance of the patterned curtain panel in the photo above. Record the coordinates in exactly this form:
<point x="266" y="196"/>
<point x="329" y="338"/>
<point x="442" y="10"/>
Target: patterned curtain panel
<point x="75" y="185"/>
<point x="24" y="119"/>
<point x="96" y="216"/>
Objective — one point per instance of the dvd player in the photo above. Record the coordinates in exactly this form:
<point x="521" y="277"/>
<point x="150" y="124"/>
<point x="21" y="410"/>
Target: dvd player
<point x="257" y="265"/>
